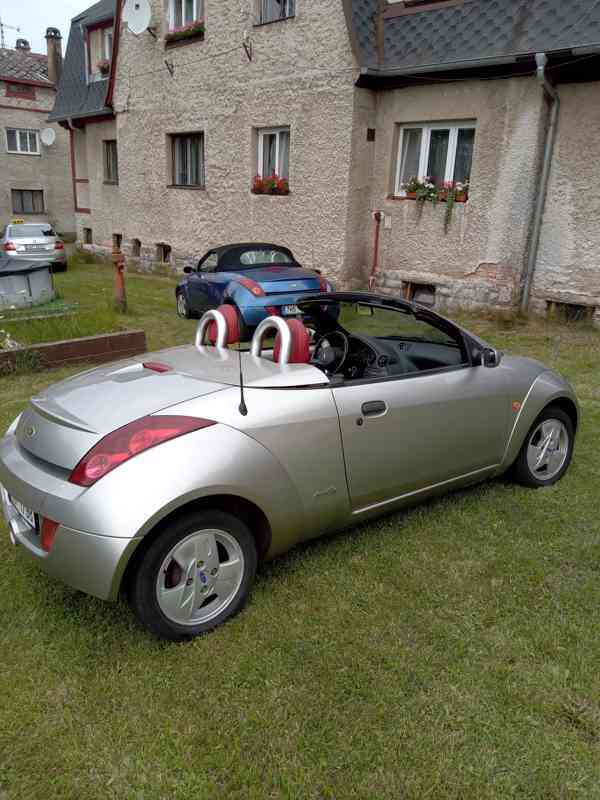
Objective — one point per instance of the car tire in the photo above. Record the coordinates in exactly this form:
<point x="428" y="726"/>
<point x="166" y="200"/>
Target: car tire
<point x="196" y="574"/>
<point x="547" y="450"/>
<point x="183" y="310"/>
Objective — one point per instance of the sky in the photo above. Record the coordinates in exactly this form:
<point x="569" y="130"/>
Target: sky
<point x="34" y="16"/>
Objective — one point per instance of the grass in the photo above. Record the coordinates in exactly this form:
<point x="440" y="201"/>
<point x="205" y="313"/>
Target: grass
<point x="450" y="651"/>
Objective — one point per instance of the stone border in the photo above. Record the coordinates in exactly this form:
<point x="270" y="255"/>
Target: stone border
<point x="100" y="348"/>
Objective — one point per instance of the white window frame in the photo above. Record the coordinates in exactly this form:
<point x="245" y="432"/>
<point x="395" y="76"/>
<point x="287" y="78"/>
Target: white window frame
<point x="262" y="132"/>
<point x="18" y="151"/>
<point x="263" y="20"/>
<point x="198" y="12"/>
<point x="426" y="129"/>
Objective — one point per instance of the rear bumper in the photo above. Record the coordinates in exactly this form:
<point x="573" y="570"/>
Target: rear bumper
<point x="51" y="257"/>
<point x="84" y="561"/>
<point x="87" y="561"/>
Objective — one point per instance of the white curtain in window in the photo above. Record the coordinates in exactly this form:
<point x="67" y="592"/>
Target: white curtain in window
<point x="411" y="153"/>
<point x="438" y="154"/>
<point x="189" y="160"/>
<point x="269" y="165"/>
<point x="284" y="154"/>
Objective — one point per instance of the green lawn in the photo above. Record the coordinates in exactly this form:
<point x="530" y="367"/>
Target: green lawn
<point x="452" y="651"/>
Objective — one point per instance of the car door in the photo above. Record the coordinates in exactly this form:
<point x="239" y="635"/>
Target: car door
<point x="404" y="434"/>
<point x="202" y="284"/>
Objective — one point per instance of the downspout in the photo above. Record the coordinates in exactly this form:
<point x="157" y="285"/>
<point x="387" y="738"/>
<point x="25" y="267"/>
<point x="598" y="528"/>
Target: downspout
<point x="377" y="217"/>
<point x="552" y="95"/>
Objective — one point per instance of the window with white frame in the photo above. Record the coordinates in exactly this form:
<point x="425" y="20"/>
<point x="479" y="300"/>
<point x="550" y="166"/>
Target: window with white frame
<point x="272" y="10"/>
<point x="184" y="12"/>
<point x="23" y="140"/>
<point x="99" y="46"/>
<point x="274" y="152"/>
<point x="188" y="160"/>
<point x="442" y="152"/>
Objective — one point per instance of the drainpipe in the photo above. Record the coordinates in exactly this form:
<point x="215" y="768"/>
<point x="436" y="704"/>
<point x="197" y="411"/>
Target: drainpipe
<point x="377" y="216"/>
<point x="552" y="95"/>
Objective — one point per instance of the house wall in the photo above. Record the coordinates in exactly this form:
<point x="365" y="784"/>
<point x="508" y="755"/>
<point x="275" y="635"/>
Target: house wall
<point x="479" y="261"/>
<point x="49" y="171"/>
<point x="567" y="268"/>
<point x="301" y="74"/>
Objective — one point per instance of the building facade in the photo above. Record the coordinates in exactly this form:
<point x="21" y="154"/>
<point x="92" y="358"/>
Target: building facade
<point x="35" y="169"/>
<point x="348" y="106"/>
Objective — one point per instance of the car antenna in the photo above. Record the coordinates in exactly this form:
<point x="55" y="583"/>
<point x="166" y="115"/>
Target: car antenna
<point x="242" y="406"/>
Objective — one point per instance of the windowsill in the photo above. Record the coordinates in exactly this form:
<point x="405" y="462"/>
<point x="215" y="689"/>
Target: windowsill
<point x="110" y="183"/>
<point x="185" y="186"/>
<point x="30" y="213"/>
<point x="17" y="153"/>
<point x="273" y="21"/>
<point x="269" y="194"/>
<point x="400" y="198"/>
<point x="197" y="37"/>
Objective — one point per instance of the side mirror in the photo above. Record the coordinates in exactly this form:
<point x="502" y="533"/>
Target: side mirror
<point x="490" y="357"/>
<point x="188" y="270"/>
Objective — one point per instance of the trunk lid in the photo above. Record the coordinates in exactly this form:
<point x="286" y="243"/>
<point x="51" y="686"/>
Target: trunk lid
<point x="61" y="425"/>
<point x="283" y="280"/>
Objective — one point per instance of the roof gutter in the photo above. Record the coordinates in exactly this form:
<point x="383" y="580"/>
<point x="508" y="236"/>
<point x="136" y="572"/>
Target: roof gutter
<point x="540" y="206"/>
<point x="394" y="72"/>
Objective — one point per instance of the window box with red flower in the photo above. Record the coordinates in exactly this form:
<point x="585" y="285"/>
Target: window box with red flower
<point x="272" y="184"/>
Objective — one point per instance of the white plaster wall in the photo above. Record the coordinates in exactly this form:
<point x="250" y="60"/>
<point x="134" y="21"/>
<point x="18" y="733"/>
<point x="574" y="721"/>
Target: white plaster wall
<point x="301" y="74"/>
<point x="568" y="264"/>
<point x="490" y="233"/>
<point x="50" y="171"/>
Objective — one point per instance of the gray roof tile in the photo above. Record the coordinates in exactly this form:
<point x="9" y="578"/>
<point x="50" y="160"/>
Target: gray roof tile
<point x="23" y="65"/>
<point x="479" y="29"/>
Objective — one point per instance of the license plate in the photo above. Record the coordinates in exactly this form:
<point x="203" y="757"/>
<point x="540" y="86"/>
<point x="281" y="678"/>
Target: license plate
<point x="27" y="514"/>
<point x="289" y="311"/>
<point x="35" y="247"/>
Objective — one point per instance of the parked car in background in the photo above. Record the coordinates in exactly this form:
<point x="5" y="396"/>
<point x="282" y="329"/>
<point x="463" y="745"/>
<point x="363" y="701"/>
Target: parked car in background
<point x="34" y="241"/>
<point x="258" y="279"/>
<point x="163" y="477"/>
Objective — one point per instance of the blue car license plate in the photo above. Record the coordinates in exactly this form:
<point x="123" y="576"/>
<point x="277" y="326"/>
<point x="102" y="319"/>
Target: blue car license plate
<point x="290" y="311"/>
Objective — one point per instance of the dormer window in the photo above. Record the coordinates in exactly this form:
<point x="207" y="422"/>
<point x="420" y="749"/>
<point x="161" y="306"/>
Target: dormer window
<point x="99" y="47"/>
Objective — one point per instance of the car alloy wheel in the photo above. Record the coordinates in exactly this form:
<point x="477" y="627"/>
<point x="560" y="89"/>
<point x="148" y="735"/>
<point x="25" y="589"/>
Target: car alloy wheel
<point x="193" y="574"/>
<point x="182" y="308"/>
<point x="200" y="577"/>
<point x="547" y="451"/>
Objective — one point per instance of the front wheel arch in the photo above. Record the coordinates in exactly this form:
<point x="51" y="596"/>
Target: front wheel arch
<point x="249" y="512"/>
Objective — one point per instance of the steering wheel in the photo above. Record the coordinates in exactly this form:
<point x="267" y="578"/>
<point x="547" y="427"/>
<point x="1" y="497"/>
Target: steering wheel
<point x="328" y="357"/>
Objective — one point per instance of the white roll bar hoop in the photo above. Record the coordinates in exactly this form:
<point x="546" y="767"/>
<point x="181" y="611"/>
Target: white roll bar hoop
<point x="212" y="316"/>
<point x="267" y="325"/>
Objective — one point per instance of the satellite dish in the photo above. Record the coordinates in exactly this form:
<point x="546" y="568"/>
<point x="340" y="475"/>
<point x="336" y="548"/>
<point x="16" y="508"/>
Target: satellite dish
<point x="48" y="136"/>
<point x="137" y="14"/>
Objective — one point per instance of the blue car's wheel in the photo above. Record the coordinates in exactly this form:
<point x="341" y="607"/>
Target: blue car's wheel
<point x="182" y="306"/>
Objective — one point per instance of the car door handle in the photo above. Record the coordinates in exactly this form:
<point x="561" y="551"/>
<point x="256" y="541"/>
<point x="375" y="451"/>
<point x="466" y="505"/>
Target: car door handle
<point x="373" y="409"/>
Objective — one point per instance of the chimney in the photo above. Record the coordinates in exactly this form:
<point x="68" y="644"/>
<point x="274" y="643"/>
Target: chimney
<point x="54" y="45"/>
<point x="22" y="44"/>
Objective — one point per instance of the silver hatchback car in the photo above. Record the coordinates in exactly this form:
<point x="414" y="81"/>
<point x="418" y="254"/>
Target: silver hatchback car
<point x="33" y="241"/>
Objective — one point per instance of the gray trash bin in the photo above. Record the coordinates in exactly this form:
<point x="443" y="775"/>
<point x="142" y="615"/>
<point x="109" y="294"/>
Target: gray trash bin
<point x="24" y="282"/>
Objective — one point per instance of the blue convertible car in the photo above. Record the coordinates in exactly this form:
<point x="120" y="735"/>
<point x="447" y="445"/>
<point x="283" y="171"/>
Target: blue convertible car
<point x="259" y="280"/>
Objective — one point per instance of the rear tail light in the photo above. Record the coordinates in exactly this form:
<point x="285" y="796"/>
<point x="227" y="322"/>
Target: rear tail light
<point x="323" y="285"/>
<point x="10" y="246"/>
<point x="128" y="441"/>
<point x="59" y="245"/>
<point x="48" y="533"/>
<point x="252" y="286"/>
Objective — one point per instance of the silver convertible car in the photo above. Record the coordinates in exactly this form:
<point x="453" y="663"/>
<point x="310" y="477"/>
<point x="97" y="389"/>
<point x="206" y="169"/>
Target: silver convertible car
<point x="169" y="477"/>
